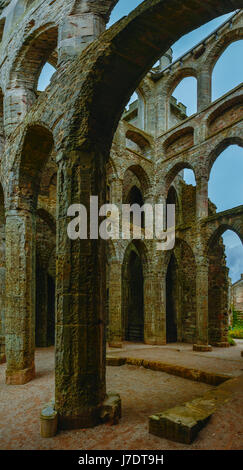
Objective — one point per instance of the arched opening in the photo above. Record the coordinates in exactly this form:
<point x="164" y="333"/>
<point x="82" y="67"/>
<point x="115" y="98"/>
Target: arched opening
<point x="45" y="76"/>
<point x="227" y="172"/>
<point x="183" y="193"/>
<point x="225" y="256"/>
<point x="135" y="197"/>
<point x="45" y="279"/>
<point x="189" y="177"/>
<point x="135" y="110"/>
<point x="2" y="277"/>
<point x="38" y="193"/>
<point x="39" y="48"/>
<point x="171" y="301"/>
<point x="136" y="142"/>
<point x="37" y="148"/>
<point x="181" y="295"/>
<point x="133" y="295"/>
<point x="228" y="70"/>
<point x="183" y="101"/>
<point x="172" y="198"/>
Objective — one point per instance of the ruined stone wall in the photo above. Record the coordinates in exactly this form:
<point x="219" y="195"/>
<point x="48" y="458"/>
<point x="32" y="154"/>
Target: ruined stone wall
<point x="76" y="118"/>
<point x="237" y="299"/>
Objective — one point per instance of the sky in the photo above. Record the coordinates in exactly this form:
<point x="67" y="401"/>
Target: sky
<point x="226" y="182"/>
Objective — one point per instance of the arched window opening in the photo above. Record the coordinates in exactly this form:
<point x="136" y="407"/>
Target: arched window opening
<point x="133" y="298"/>
<point x="225" y="184"/>
<point x="234" y="255"/>
<point x="189" y="177"/>
<point x="45" y="76"/>
<point x="171" y="301"/>
<point x="228" y="71"/>
<point x="183" y="101"/>
<point x="135" y="197"/>
<point x="37" y="52"/>
<point x="136" y="142"/>
<point x="184" y="195"/>
<point x="134" y="187"/>
<point x="234" y="260"/>
<point x="225" y="267"/>
<point x="172" y="198"/>
<point x="135" y="111"/>
<point x="181" y="295"/>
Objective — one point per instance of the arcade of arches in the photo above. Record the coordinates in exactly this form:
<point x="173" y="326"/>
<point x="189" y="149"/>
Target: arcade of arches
<point x="58" y="148"/>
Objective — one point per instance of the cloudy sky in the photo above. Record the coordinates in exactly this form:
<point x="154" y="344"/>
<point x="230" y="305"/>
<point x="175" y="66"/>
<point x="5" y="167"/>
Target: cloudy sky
<point x="226" y="182"/>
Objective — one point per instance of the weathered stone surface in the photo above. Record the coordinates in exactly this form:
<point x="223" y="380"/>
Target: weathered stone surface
<point x="183" y="423"/>
<point x="111" y="409"/>
<point x="60" y="141"/>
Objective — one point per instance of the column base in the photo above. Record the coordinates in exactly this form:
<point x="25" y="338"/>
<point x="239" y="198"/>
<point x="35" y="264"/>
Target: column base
<point x="155" y="342"/>
<point x="222" y="344"/>
<point x="202" y="347"/>
<point x="108" y="412"/>
<point x="115" y="344"/>
<point x="20" y="377"/>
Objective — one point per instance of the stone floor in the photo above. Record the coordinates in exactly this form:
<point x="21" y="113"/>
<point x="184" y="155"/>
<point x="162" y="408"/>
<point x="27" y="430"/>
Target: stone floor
<point x="143" y="392"/>
<point x="220" y="360"/>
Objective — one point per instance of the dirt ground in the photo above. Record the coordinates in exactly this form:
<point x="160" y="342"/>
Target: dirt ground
<point x="143" y="393"/>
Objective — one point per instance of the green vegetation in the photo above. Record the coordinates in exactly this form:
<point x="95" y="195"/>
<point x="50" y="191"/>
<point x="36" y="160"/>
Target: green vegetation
<point x="236" y="332"/>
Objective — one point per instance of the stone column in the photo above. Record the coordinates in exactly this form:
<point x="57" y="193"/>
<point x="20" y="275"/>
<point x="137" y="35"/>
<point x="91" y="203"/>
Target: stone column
<point x="80" y="298"/>
<point x="155" y="308"/>
<point x="2" y="289"/>
<point x="204" y="87"/>
<point x="115" y="305"/>
<point x="41" y="308"/>
<point x="202" y="306"/>
<point x="202" y="198"/>
<point x="20" y="296"/>
<point x="17" y="101"/>
<point x="77" y="32"/>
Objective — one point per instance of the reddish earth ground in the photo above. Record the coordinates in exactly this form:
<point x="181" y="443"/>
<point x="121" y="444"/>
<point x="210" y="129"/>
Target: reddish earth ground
<point x="143" y="393"/>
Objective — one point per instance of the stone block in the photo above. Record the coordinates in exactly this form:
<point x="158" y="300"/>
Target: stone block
<point x="111" y="409"/>
<point x="183" y="423"/>
<point x="115" y="361"/>
<point x="202" y="348"/>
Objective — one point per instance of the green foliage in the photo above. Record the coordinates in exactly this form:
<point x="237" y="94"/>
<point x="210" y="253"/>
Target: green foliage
<point x="236" y="333"/>
<point x="237" y="319"/>
<point x="231" y="341"/>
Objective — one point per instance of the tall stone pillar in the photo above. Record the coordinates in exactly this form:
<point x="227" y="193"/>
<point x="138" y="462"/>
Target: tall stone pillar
<point x="80" y="298"/>
<point x="204" y="89"/>
<point x="2" y="288"/>
<point x="115" y="305"/>
<point x="17" y="101"/>
<point x="202" y="306"/>
<point x="20" y="296"/>
<point x="155" y="308"/>
<point x="41" y="337"/>
<point x="202" y="198"/>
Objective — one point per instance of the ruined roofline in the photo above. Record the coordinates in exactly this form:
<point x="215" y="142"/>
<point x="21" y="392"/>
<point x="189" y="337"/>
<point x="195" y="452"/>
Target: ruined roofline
<point x="157" y="75"/>
<point x="239" y="280"/>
